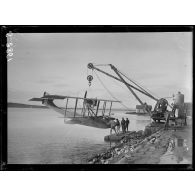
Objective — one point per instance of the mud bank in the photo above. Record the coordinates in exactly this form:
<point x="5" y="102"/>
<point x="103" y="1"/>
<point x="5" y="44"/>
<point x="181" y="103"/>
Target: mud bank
<point x="152" y="146"/>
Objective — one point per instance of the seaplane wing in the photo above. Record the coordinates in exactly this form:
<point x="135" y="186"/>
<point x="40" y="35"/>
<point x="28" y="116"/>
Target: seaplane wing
<point x="92" y="99"/>
<point x="38" y="99"/>
<point x="60" y="97"/>
<point x="46" y="97"/>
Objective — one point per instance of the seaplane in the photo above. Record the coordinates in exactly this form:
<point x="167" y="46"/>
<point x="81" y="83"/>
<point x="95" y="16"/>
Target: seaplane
<point x="92" y="113"/>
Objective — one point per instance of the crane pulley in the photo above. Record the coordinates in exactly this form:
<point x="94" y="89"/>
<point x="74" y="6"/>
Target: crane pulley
<point x="90" y="76"/>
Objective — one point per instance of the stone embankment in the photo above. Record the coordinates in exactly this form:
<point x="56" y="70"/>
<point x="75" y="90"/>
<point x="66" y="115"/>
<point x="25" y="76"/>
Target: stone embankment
<point x="154" y="145"/>
<point x="128" y="144"/>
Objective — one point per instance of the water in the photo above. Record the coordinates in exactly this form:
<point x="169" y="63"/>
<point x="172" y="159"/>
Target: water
<point x="39" y="136"/>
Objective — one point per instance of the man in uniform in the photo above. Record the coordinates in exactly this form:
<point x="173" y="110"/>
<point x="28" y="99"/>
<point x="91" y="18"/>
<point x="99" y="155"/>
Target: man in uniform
<point x="123" y="124"/>
<point x="126" y="124"/>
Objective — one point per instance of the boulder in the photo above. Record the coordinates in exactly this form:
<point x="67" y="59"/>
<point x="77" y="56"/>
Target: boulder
<point x="147" y="131"/>
<point x="140" y="133"/>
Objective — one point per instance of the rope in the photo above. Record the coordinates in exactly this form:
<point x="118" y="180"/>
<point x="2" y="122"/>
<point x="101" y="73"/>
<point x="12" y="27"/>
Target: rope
<point x="109" y="91"/>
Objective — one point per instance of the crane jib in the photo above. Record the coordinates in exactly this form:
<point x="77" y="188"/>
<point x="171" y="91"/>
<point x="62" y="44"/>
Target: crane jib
<point x="116" y="71"/>
<point x="91" y="66"/>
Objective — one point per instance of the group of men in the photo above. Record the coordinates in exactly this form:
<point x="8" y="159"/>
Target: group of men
<point x="124" y="124"/>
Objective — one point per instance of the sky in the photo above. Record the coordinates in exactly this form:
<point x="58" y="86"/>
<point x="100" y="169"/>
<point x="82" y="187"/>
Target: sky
<point x="57" y="63"/>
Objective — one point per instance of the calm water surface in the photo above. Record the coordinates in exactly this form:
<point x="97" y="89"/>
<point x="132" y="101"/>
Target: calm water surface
<point x="39" y="136"/>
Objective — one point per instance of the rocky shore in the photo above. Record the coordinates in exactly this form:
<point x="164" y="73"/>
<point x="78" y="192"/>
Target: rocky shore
<point x="154" y="145"/>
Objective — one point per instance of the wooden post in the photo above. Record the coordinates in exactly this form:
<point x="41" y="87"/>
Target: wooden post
<point x="110" y="108"/>
<point x="88" y="112"/>
<point x="83" y="110"/>
<point x="105" y="107"/>
<point x="103" y="111"/>
<point x="75" y="107"/>
<point x="97" y="108"/>
<point x="66" y="107"/>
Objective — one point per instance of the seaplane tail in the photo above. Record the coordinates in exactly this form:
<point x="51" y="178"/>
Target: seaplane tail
<point x="48" y="99"/>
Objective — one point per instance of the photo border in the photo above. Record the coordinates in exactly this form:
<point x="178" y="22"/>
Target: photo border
<point x="77" y="29"/>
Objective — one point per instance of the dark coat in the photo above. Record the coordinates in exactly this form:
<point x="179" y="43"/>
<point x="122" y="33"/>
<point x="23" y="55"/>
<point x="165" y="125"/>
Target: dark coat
<point x="127" y="122"/>
<point x="123" y="123"/>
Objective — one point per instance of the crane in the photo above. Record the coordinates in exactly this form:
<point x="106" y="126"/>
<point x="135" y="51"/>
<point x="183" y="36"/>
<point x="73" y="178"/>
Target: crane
<point x="160" y="108"/>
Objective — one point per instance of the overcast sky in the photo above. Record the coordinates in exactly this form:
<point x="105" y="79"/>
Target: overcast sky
<point x="57" y="63"/>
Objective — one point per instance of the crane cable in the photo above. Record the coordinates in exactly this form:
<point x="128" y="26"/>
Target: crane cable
<point x="113" y="79"/>
<point x="101" y="64"/>
<point x="138" y="85"/>
<point x="141" y="86"/>
<point x="109" y="91"/>
<point x="122" y="86"/>
<point x="133" y="81"/>
<point x="124" y="76"/>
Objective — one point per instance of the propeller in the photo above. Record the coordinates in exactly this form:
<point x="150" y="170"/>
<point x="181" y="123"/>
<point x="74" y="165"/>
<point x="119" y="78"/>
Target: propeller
<point x="85" y="94"/>
<point x="44" y="94"/>
<point x="83" y="109"/>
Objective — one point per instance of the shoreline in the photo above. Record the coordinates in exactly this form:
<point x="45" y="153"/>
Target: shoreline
<point x="172" y="146"/>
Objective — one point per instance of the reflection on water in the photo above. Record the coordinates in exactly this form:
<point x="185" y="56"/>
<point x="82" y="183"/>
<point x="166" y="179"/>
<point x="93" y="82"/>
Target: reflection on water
<point x="39" y="136"/>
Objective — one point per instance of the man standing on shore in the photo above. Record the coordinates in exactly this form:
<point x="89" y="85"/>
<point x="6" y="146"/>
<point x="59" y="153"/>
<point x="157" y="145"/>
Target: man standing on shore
<point x="117" y="126"/>
<point x="123" y="124"/>
<point x="126" y="124"/>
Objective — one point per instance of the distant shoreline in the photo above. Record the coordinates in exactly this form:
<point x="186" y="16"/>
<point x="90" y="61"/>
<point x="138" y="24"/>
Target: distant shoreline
<point x="19" y="105"/>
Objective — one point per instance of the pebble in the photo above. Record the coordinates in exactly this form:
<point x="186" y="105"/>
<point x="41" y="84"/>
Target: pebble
<point x="152" y="148"/>
<point x="128" y="156"/>
<point x="126" y="151"/>
<point x="102" y="161"/>
<point x="131" y="149"/>
<point x="152" y="140"/>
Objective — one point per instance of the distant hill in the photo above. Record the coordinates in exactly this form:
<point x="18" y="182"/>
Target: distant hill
<point x="18" y="105"/>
